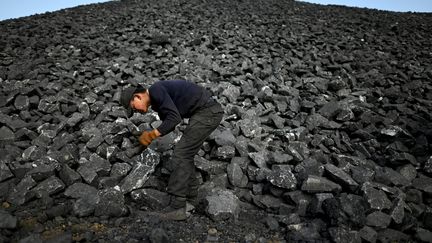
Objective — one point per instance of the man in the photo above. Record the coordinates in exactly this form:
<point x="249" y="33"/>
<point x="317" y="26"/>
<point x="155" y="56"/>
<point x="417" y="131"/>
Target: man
<point x="174" y="100"/>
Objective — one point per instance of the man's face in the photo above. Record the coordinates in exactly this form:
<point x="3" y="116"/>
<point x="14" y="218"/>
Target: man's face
<point x="140" y="102"/>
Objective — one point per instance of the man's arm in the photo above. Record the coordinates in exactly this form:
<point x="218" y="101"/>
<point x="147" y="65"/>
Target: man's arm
<point x="157" y="132"/>
<point x="167" y="110"/>
<point x="148" y="136"/>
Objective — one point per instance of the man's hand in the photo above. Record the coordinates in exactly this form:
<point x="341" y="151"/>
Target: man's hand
<point x="148" y="136"/>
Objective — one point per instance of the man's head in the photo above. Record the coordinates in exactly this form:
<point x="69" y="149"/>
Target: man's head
<point x="135" y="98"/>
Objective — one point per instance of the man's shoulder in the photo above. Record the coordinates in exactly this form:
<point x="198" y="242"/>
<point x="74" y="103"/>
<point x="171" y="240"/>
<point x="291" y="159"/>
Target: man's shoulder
<point x="156" y="85"/>
<point x="171" y="83"/>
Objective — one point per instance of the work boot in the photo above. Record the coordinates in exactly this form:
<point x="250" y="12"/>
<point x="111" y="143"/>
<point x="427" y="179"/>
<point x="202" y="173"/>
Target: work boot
<point x="176" y="210"/>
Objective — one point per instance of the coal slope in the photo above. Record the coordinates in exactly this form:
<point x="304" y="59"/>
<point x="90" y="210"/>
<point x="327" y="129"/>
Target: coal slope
<point x="326" y="135"/>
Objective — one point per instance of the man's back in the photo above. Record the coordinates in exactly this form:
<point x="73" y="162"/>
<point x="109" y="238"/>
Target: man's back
<point x="186" y="96"/>
<point x="176" y="99"/>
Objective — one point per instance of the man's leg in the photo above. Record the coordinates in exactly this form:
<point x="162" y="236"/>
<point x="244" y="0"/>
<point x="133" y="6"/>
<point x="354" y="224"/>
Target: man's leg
<point x="201" y="125"/>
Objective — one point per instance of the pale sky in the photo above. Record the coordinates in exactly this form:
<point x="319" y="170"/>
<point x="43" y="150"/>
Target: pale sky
<point x="391" y="5"/>
<point x="21" y="8"/>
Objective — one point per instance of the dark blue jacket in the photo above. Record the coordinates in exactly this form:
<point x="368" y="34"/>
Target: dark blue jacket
<point x="174" y="100"/>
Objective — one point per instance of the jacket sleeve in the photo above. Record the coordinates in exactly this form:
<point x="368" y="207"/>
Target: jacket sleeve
<point x="167" y="111"/>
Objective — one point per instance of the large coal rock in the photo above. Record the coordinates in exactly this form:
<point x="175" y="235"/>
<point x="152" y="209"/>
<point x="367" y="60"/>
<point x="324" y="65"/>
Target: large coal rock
<point x="151" y="198"/>
<point x="222" y="205"/>
<point x="145" y="164"/>
<point x="111" y="203"/>
<point x="86" y="198"/>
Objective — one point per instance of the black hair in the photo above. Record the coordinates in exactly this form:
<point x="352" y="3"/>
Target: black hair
<point x="140" y="89"/>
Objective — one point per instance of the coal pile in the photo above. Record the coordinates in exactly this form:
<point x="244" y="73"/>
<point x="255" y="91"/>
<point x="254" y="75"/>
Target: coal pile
<point x="326" y="135"/>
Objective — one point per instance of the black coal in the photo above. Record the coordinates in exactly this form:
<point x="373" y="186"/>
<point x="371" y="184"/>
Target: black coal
<point x="326" y="135"/>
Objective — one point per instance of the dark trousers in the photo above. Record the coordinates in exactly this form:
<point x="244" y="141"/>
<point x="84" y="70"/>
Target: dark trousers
<point x="202" y="123"/>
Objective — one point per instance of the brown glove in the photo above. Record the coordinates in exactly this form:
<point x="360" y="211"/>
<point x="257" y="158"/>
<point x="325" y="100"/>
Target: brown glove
<point x="147" y="137"/>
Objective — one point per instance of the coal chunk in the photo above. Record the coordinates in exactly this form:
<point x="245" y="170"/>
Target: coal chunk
<point x="49" y="186"/>
<point x="397" y="212"/>
<point x="62" y="209"/>
<point x="151" y="198"/>
<point x="6" y="134"/>
<point x="79" y="190"/>
<point x="4" y="189"/>
<point x="428" y="166"/>
<point x="68" y="175"/>
<point x="409" y="172"/>
<point x="376" y="199"/>
<point x="389" y="176"/>
<point x="341" y="176"/>
<point x="225" y="152"/>
<point x="368" y="234"/>
<point x="5" y="172"/>
<point x="222" y="204"/>
<point x="279" y="157"/>
<point x="43" y="169"/>
<point x="144" y="166"/>
<point x="20" y="169"/>
<point x="317" y="120"/>
<point x="33" y="153"/>
<point x="268" y="202"/>
<point x="21" y="193"/>
<point x="395" y="131"/>
<point x="225" y="137"/>
<point x="21" y="102"/>
<point x="84" y="207"/>
<point x="378" y="219"/>
<point x="120" y="169"/>
<point x="316" y="184"/>
<point x="74" y="119"/>
<point x="236" y="176"/>
<point x="423" y="184"/>
<point x="48" y="105"/>
<point x="289" y="219"/>
<point x="7" y="221"/>
<point x="423" y="235"/>
<point x="211" y="167"/>
<point x="361" y="174"/>
<point x="259" y="158"/>
<point x="250" y="127"/>
<point x="316" y="205"/>
<point x="271" y="223"/>
<point x="427" y="218"/>
<point x="330" y="109"/>
<point x="332" y="209"/>
<point x="232" y="92"/>
<point x="308" y="167"/>
<point x="95" y="141"/>
<point x="90" y="170"/>
<point x="87" y="198"/>
<point x="344" y="234"/>
<point x="304" y="232"/>
<point x="336" y="84"/>
<point x="111" y="203"/>
<point x="282" y="176"/>
<point x="355" y="208"/>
